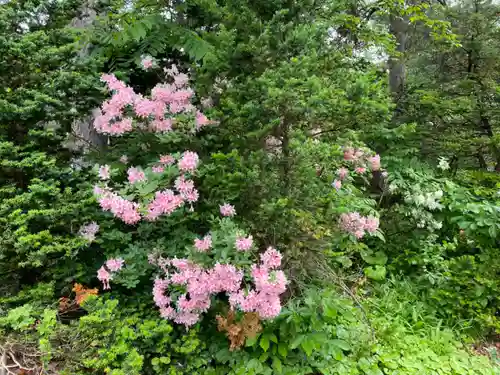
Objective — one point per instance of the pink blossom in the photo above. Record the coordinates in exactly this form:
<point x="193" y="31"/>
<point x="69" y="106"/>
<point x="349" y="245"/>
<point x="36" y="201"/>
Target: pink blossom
<point x="115" y="264"/>
<point x="360" y="170"/>
<point x="271" y="258"/>
<point x="120" y="207"/>
<point x="269" y="306"/>
<point x="260" y="275"/>
<point x="103" y="124"/>
<point x="163" y="93"/>
<point x="182" y="185"/>
<point x="204" y="244"/>
<point x="243" y="243"/>
<point x="189" y="161"/>
<point x="359" y="233"/>
<point x="104" y="277"/>
<point x="374" y="162"/>
<point x="187" y="318"/>
<point x="89" y="231"/>
<point x="158" y="169"/>
<point x="225" y="278"/>
<point x="349" y="154"/>
<point x="159" y="288"/>
<point x="356" y="224"/>
<point x="337" y="184"/>
<point x="162" y="126"/>
<point x="201" y="120"/>
<point x="275" y="284"/>
<point x="181" y="80"/>
<point x="181" y="264"/>
<point x="104" y="172"/>
<point x="227" y="210"/>
<point x="98" y="190"/>
<point x="159" y="110"/>
<point x="351" y="222"/>
<point x="164" y="203"/>
<point x="167" y="159"/>
<point x="371" y="224"/>
<point x="247" y="301"/>
<point x="112" y="82"/>
<point x="144" y="107"/>
<point x="342" y="173"/>
<point x="120" y="99"/>
<point x="109" y="120"/>
<point x="190" y="196"/>
<point x="182" y="96"/>
<point x="135" y="175"/>
<point x="168" y="312"/>
<point x="147" y="62"/>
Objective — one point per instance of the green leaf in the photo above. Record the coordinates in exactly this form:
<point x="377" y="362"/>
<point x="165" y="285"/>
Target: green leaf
<point x="277" y="365"/>
<point x="282" y="349"/>
<point x="492" y="231"/>
<point x="308" y="346"/>
<point x="297" y="341"/>
<point x="344" y="345"/>
<point x="264" y="343"/>
<point x="272" y="337"/>
<point x="148" y="188"/>
<point x="376" y="273"/>
<point x="251" y="341"/>
<point x="378" y="258"/>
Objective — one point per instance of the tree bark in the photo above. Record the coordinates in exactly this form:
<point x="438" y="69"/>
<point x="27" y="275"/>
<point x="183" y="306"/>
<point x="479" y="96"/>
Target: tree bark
<point x="84" y="128"/>
<point x="397" y="69"/>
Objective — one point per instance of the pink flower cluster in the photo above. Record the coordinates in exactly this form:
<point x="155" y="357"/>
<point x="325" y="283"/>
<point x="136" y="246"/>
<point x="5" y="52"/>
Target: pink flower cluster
<point x="105" y="273"/>
<point x="135" y="175"/>
<point x="164" y="203"/>
<point x="360" y="162"/>
<point x="121" y="208"/>
<point x="200" y="284"/>
<point x="147" y="62"/>
<point x="227" y="210"/>
<point x="269" y="285"/>
<point x="358" y="225"/>
<point x="166" y="100"/>
<point x="188" y="162"/>
<point x="204" y="244"/>
<point x="359" y="158"/>
<point x="243" y="243"/>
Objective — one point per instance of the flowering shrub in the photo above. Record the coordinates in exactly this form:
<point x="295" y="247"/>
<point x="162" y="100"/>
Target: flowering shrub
<point x="358" y="225"/>
<point x="187" y="284"/>
<point x="359" y="160"/>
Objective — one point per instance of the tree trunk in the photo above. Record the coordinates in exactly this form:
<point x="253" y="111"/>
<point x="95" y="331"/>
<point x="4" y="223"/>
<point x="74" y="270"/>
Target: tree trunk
<point x="84" y="128"/>
<point x="397" y="69"/>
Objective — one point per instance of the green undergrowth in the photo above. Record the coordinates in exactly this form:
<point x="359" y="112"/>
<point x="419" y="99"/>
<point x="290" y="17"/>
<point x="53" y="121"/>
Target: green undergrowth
<point x="386" y="332"/>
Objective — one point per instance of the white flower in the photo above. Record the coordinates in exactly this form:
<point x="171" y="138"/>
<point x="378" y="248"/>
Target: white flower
<point x="438" y="194"/>
<point x="89" y="231"/>
<point x="443" y="164"/>
<point x="419" y="200"/>
<point x="432" y="204"/>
